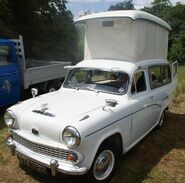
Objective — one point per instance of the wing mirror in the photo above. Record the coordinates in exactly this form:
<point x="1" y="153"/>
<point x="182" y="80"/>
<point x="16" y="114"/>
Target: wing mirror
<point x="34" y="92"/>
<point x="111" y="102"/>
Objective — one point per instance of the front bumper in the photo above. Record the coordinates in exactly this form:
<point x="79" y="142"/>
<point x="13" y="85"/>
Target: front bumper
<point x="53" y="164"/>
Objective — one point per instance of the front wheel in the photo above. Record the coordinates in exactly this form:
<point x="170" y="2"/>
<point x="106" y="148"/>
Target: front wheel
<point x="104" y="165"/>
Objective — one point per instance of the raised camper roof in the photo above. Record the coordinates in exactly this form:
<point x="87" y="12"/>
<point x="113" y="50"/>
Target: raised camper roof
<point x="126" y="35"/>
<point x="132" y="14"/>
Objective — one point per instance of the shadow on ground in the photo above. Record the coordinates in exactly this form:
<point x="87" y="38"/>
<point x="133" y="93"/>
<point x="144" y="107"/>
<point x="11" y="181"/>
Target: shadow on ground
<point x="136" y="165"/>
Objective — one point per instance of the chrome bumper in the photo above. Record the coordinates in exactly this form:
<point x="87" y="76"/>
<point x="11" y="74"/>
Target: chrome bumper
<point x="53" y="164"/>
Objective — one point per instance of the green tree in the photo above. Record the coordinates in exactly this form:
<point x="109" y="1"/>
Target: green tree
<point x="5" y="17"/>
<point x="157" y="7"/>
<point x="177" y="51"/>
<point x="125" y="5"/>
<point x="175" y="17"/>
<point x="46" y="25"/>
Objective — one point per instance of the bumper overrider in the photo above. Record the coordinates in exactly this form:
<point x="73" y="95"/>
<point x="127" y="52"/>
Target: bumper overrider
<point x="54" y="164"/>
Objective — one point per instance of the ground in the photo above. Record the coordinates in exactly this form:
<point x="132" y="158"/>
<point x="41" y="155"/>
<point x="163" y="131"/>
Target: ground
<point x="160" y="157"/>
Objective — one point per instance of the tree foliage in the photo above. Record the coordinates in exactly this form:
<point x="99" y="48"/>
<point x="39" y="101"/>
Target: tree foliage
<point x="125" y="5"/>
<point x="157" y="7"/>
<point x="46" y="25"/>
<point x="177" y="51"/>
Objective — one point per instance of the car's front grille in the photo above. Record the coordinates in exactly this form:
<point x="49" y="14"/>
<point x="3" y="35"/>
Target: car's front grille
<point x="53" y="152"/>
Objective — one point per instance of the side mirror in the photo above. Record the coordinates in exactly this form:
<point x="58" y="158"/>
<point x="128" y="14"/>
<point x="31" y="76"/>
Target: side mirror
<point x="111" y="102"/>
<point x="34" y="92"/>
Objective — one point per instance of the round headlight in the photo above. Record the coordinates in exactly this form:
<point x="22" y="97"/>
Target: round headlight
<point x="71" y="136"/>
<point x="9" y="118"/>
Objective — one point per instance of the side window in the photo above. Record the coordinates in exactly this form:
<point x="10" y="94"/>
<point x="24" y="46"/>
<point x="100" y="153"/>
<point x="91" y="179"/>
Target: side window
<point x="159" y="75"/>
<point x="166" y="74"/>
<point x="5" y="55"/>
<point x="138" y="83"/>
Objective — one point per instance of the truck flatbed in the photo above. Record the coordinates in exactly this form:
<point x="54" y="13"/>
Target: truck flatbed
<point x="41" y="71"/>
<point x="38" y="71"/>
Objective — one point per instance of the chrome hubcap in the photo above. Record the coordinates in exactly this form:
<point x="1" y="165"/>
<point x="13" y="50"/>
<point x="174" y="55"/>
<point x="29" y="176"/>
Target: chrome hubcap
<point x="104" y="164"/>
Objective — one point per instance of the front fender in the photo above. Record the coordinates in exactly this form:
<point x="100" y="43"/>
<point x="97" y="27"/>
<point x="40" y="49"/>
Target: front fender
<point x="91" y="144"/>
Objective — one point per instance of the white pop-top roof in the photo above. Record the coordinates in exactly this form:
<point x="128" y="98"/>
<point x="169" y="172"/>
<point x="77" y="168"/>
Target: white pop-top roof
<point x="133" y="14"/>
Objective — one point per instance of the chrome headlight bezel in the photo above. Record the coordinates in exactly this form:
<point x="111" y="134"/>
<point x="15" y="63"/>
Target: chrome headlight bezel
<point x="9" y="118"/>
<point x="71" y="137"/>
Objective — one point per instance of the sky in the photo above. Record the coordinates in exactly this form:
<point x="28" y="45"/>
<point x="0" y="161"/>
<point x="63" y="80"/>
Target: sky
<point x="78" y="6"/>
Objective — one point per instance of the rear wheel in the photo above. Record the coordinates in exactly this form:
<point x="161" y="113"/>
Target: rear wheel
<point x="51" y="89"/>
<point x="104" y="165"/>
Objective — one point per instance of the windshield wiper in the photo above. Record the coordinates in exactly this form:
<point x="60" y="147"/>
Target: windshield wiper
<point x="73" y="87"/>
<point x="89" y="88"/>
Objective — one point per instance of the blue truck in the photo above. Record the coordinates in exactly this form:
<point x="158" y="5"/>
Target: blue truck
<point x="18" y="75"/>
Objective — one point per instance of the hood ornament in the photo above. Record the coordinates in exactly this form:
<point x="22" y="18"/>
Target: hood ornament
<point x="43" y="111"/>
<point x="44" y="108"/>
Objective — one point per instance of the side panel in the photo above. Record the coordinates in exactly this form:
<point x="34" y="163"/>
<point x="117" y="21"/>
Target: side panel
<point x="42" y="73"/>
<point x="142" y="116"/>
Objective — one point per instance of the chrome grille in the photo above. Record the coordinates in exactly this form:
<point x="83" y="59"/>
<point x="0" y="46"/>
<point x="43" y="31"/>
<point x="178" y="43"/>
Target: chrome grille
<point x="45" y="150"/>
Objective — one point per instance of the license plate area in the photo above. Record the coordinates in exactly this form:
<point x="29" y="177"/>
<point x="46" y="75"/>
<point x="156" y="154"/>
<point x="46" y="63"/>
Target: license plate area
<point x="31" y="164"/>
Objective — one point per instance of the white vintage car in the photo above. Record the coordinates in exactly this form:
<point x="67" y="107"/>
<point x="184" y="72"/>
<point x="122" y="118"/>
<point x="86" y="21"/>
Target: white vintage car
<point x="107" y="103"/>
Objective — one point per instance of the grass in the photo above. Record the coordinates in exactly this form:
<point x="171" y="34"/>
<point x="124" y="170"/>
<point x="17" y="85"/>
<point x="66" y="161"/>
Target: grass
<point x="3" y="131"/>
<point x="181" y="81"/>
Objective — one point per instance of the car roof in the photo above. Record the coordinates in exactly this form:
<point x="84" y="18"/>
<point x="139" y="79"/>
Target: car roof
<point x="117" y="65"/>
<point x="132" y="14"/>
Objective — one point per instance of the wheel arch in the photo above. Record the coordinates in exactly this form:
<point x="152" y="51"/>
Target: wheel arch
<point x="114" y="136"/>
<point x="104" y="145"/>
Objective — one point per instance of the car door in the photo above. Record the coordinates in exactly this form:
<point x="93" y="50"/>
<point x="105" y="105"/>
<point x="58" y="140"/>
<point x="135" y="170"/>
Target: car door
<point x="141" y="103"/>
<point x="9" y="74"/>
<point x="160" y="84"/>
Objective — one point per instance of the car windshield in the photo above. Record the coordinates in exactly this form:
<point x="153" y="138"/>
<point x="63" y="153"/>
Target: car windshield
<point x="97" y="80"/>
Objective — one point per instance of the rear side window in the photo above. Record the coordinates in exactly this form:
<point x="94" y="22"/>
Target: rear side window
<point x="159" y="75"/>
<point x="139" y="82"/>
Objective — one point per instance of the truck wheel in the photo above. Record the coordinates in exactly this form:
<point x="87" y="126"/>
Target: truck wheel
<point x="104" y="165"/>
<point x="161" y="120"/>
<point x="51" y="87"/>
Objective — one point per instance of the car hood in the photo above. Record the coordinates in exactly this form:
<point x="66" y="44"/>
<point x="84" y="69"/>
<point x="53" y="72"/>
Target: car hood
<point x="51" y="113"/>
